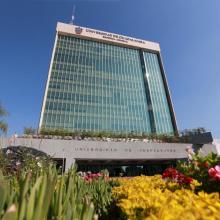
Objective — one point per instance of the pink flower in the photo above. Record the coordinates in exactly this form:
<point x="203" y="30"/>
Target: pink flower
<point x="92" y="176"/>
<point x="217" y="168"/>
<point x="214" y="172"/>
<point x="99" y="174"/>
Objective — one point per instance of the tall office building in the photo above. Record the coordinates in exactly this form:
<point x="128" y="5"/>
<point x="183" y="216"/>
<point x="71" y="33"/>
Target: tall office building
<point x="100" y="81"/>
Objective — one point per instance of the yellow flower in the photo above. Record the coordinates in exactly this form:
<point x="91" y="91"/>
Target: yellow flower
<point x="151" y="198"/>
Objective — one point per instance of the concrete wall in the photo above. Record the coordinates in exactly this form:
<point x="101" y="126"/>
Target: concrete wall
<point x="75" y="149"/>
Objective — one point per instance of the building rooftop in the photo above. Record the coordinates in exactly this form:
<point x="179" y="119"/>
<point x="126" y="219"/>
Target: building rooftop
<point x="107" y="37"/>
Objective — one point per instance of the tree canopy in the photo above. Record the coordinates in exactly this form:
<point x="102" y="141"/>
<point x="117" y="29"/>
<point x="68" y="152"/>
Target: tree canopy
<point x="3" y="124"/>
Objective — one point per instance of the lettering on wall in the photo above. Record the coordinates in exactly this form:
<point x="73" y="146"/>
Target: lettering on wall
<point x="127" y="150"/>
<point x="115" y="37"/>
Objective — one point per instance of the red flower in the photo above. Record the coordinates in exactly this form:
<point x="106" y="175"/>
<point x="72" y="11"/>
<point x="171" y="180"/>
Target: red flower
<point x="170" y="173"/>
<point x="87" y="179"/>
<point x="206" y="164"/>
<point x="176" y="176"/>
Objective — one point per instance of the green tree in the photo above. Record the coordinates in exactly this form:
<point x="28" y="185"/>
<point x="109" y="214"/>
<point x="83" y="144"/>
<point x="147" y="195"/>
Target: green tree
<point x="3" y="124"/>
<point x="29" y="130"/>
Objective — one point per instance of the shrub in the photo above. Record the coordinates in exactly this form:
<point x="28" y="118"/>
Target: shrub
<point x="204" y="169"/>
<point x="169" y="138"/>
<point x="44" y="195"/>
<point x="171" y="174"/>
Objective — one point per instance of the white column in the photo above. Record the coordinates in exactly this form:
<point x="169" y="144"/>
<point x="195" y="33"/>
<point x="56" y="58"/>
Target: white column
<point x="69" y="162"/>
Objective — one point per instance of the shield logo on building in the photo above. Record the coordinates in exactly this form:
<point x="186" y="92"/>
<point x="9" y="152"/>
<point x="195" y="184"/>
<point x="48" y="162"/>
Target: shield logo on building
<point x="78" y="30"/>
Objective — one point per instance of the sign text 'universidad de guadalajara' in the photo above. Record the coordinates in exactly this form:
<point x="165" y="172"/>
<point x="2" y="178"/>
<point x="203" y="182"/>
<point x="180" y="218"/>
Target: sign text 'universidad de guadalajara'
<point x="116" y="37"/>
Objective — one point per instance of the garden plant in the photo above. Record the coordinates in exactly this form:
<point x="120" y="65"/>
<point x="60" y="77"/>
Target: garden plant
<point x="32" y="189"/>
<point x="35" y="191"/>
<point x="205" y="169"/>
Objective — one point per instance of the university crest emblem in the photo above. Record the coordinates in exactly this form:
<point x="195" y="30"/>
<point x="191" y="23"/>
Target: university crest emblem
<point x="78" y="30"/>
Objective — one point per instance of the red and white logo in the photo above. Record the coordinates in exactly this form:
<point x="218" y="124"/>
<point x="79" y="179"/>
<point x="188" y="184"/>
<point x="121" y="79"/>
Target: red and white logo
<point x="78" y="30"/>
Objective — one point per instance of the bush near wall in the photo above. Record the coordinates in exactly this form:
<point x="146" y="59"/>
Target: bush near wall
<point x="205" y="169"/>
<point x="166" y="138"/>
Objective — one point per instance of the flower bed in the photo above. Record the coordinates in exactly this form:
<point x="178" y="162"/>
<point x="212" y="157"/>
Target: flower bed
<point x="205" y="169"/>
<point x="153" y="198"/>
<point x="33" y="189"/>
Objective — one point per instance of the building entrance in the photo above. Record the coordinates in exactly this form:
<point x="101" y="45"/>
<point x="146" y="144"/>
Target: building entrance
<point x="125" y="168"/>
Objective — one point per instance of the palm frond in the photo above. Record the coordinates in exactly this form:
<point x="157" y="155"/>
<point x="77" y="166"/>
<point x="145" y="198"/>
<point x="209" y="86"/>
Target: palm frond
<point x="3" y="126"/>
<point x="3" y="112"/>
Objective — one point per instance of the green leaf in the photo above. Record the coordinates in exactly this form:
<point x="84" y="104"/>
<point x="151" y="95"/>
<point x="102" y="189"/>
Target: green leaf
<point x="11" y="213"/>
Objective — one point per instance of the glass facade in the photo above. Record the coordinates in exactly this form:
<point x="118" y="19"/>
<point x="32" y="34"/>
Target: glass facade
<point x="161" y="111"/>
<point x="95" y="86"/>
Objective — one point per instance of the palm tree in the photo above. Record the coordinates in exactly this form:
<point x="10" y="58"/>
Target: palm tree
<point x="3" y="124"/>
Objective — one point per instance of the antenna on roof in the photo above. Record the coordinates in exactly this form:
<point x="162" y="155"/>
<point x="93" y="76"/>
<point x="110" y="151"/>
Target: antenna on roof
<point x="73" y="15"/>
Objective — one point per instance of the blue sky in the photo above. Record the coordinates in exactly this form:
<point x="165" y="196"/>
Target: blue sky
<point x="188" y="32"/>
